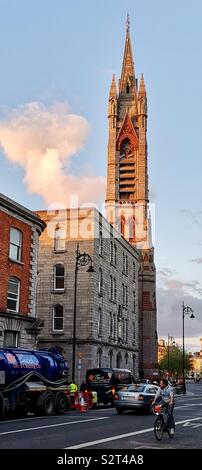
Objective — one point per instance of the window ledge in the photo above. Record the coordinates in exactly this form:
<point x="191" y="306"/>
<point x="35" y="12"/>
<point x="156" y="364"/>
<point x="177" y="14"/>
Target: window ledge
<point x="16" y="261"/>
<point x="59" y="332"/>
<point x="58" y="291"/>
<point x="59" y="251"/>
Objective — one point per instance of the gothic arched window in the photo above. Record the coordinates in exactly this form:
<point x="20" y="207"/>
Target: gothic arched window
<point x="126" y="149"/>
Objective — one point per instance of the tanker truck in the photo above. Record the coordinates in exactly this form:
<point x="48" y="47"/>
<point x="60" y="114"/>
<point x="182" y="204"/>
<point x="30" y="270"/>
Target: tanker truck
<point x="33" y="381"/>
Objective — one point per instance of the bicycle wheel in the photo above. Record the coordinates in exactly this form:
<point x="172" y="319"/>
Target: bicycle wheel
<point x="158" y="428"/>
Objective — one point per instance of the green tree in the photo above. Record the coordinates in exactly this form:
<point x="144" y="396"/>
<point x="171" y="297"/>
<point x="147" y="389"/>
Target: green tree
<point x="172" y="361"/>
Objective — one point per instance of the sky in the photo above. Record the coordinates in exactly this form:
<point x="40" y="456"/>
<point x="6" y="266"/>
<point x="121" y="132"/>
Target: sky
<point x="57" y="61"/>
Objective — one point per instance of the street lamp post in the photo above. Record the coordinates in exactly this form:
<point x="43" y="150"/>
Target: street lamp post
<point x="185" y="311"/>
<point x="82" y="259"/>
<point x="168" y="355"/>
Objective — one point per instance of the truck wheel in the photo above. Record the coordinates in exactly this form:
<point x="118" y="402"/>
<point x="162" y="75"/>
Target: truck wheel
<point x="61" y="404"/>
<point x="48" y="403"/>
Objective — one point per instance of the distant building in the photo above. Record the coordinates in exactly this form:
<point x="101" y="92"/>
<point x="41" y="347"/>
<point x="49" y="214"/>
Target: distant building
<point x="19" y="237"/>
<point x="195" y="363"/>
<point x="106" y="300"/>
<point x="162" y="349"/>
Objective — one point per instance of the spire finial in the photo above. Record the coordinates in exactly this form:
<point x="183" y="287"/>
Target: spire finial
<point x="128" y="23"/>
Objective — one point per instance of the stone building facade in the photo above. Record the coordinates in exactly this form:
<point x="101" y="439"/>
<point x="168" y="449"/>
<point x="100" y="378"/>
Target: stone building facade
<point x="106" y="299"/>
<point x="127" y="196"/>
<point x="19" y="240"/>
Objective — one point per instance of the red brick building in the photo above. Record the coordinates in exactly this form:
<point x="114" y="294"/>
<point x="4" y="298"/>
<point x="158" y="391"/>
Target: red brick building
<point x="19" y="236"/>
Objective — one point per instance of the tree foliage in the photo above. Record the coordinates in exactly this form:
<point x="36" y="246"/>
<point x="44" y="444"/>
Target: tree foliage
<point x="172" y="361"/>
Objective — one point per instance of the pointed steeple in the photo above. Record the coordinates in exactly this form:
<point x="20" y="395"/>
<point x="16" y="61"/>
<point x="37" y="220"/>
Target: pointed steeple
<point x="128" y="71"/>
<point x="142" y="88"/>
<point x="113" y="91"/>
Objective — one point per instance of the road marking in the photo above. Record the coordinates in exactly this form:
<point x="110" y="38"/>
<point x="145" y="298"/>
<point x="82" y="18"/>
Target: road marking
<point x="123" y="436"/>
<point x="187" y="406"/>
<point x="53" y="425"/>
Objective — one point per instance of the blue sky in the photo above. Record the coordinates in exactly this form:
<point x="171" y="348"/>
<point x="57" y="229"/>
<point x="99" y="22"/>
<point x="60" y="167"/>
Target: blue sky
<point x="66" y="51"/>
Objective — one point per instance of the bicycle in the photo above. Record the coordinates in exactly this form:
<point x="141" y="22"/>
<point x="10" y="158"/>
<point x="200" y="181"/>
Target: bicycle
<point x="160" y="425"/>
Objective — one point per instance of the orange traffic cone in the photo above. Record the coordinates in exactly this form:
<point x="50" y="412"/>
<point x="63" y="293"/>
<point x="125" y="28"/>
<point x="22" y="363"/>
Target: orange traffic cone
<point x="83" y="405"/>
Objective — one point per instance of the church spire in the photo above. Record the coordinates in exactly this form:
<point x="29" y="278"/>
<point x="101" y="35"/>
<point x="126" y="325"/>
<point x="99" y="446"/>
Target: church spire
<point x="113" y="92"/>
<point x="142" y="89"/>
<point x="128" y="71"/>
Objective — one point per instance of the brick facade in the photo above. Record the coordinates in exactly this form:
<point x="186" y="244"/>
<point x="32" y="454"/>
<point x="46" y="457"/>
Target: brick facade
<point x="14" y="216"/>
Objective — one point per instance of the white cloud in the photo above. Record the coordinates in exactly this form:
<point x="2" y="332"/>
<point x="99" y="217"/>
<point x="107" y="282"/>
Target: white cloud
<point x="43" y="140"/>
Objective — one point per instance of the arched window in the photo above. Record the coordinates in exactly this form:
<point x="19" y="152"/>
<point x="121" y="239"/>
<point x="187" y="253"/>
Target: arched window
<point x="13" y="294"/>
<point x="59" y="277"/>
<point x="99" y="322"/>
<point x="100" y="283"/>
<point x="110" y="358"/>
<point x="58" y="318"/>
<point x="118" y="360"/>
<point x="99" y="357"/>
<point x="15" y="247"/>
<point x="60" y="240"/>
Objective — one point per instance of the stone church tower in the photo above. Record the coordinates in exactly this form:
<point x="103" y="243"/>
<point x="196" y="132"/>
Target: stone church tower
<point x="127" y="192"/>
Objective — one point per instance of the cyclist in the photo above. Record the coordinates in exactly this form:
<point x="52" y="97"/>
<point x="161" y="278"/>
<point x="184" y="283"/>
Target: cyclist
<point x="165" y="397"/>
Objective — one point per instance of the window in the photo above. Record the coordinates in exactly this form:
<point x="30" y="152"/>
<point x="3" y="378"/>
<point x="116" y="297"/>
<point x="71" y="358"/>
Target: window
<point x="126" y="358"/>
<point x="118" y="361"/>
<point x="58" y="318"/>
<point x="11" y="339"/>
<point x="123" y="262"/>
<point x="15" y="248"/>
<point x="134" y="273"/>
<point x="134" y="332"/>
<point x="111" y="288"/>
<point x="114" y="326"/>
<point x="110" y="325"/>
<point x="110" y="358"/>
<point x="126" y="265"/>
<point x="123" y="329"/>
<point x="111" y="252"/>
<point x="115" y="254"/>
<point x="123" y="295"/>
<point x="100" y="283"/>
<point x="60" y="241"/>
<point x="134" y="301"/>
<point x="13" y="294"/>
<point x="100" y="243"/>
<point x="126" y="296"/>
<point x="59" y="277"/>
<point x="99" y="358"/>
<point x="114" y="290"/>
<point x="99" y="322"/>
<point x="126" y="330"/>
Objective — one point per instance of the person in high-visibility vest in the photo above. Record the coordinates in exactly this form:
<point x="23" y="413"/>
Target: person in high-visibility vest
<point x="72" y="387"/>
<point x="94" y="394"/>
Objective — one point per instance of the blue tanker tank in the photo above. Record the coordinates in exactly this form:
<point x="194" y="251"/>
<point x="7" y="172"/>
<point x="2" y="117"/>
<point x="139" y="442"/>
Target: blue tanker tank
<point x="17" y="362"/>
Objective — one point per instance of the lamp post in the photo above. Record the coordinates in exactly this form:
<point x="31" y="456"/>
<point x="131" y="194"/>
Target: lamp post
<point x="82" y="259"/>
<point x="169" y="338"/>
<point x="186" y="310"/>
